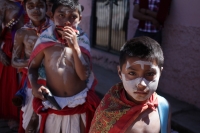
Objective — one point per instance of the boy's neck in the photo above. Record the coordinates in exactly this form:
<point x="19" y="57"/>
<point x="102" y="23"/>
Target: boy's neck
<point x="133" y="100"/>
<point x="38" y="23"/>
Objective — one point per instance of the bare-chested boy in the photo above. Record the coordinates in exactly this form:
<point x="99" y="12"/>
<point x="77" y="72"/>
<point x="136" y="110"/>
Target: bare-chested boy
<point x="10" y="20"/>
<point x="133" y="105"/>
<point x="65" y="54"/>
<point x="24" y="42"/>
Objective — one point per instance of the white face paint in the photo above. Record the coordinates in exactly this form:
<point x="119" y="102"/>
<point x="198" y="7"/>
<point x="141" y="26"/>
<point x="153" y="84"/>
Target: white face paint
<point x="67" y="18"/>
<point x="141" y="63"/>
<point x="131" y="86"/>
<point x="36" y="13"/>
<point x="30" y="42"/>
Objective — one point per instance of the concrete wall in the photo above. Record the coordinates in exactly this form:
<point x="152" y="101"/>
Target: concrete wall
<point x="86" y="14"/>
<point x="181" y="46"/>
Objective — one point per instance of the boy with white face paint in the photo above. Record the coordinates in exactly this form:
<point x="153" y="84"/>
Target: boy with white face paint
<point x="133" y="105"/>
<point x="65" y="54"/>
<point x="24" y="42"/>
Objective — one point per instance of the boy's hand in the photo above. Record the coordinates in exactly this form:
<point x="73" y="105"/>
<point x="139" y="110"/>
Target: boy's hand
<point x="38" y="92"/>
<point x="4" y="58"/>
<point x="155" y="23"/>
<point x="71" y="37"/>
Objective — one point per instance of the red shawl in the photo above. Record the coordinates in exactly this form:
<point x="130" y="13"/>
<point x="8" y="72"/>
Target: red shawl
<point x="115" y="113"/>
<point x="89" y="107"/>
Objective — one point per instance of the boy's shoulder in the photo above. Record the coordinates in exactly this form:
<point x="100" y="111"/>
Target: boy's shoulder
<point x="163" y="103"/>
<point x="22" y="32"/>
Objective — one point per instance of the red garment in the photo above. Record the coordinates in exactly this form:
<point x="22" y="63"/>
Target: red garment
<point x="8" y="84"/>
<point x="115" y="113"/>
<point x="89" y="107"/>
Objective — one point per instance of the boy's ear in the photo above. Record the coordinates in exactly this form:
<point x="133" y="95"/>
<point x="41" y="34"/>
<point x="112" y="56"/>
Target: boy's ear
<point x="119" y="72"/>
<point x="80" y="18"/>
<point x="161" y="69"/>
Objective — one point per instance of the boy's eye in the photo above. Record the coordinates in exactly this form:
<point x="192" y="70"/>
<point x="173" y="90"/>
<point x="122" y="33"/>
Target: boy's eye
<point x="61" y="15"/>
<point x="50" y="5"/>
<point x="151" y="74"/>
<point x="74" y="17"/>
<point x="132" y="73"/>
<point x="41" y="5"/>
<point x="30" y="6"/>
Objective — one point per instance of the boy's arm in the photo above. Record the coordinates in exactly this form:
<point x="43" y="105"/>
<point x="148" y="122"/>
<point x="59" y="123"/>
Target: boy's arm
<point x="144" y="14"/>
<point x="37" y="89"/>
<point x="3" y="57"/>
<point x="148" y="12"/>
<point x="18" y="49"/>
<point x="82" y="65"/>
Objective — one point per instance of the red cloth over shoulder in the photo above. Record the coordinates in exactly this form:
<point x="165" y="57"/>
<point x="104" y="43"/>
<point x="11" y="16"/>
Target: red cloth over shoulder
<point x="115" y="113"/>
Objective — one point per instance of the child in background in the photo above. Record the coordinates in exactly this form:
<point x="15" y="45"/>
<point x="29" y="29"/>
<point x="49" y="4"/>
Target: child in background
<point x="24" y="42"/>
<point x="133" y="106"/>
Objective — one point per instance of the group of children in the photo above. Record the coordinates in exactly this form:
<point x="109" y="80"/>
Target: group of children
<point x="58" y="83"/>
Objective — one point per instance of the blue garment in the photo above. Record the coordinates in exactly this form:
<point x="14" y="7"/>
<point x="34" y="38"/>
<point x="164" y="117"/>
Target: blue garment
<point x="163" y="109"/>
<point x="22" y="92"/>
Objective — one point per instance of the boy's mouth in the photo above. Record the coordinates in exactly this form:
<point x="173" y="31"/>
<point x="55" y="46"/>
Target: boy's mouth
<point x="141" y="92"/>
<point x="61" y="28"/>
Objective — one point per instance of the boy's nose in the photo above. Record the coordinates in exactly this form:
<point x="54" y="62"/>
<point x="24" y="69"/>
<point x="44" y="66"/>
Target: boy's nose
<point x="142" y="85"/>
<point x="68" y="23"/>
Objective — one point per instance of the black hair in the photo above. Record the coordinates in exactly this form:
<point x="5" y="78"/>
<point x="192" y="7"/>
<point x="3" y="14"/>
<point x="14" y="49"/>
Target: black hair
<point x="73" y="4"/>
<point x="142" y="47"/>
<point x="25" y="1"/>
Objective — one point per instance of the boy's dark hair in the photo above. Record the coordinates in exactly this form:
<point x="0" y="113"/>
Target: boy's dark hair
<point x="25" y="1"/>
<point x="142" y="47"/>
<point x="73" y="4"/>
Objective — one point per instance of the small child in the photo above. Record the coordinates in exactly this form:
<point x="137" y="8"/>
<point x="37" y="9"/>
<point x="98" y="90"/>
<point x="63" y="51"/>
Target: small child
<point x="24" y="42"/>
<point x="133" y="106"/>
<point x="65" y="55"/>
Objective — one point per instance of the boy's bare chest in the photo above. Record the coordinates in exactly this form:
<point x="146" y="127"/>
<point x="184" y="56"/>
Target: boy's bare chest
<point x="30" y="38"/>
<point x="147" y="122"/>
<point x="59" y="57"/>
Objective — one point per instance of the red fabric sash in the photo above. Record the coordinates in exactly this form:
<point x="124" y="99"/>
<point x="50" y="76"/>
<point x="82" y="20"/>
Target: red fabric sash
<point x="8" y="83"/>
<point x="115" y="113"/>
<point x="89" y="107"/>
<point x="162" y="12"/>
